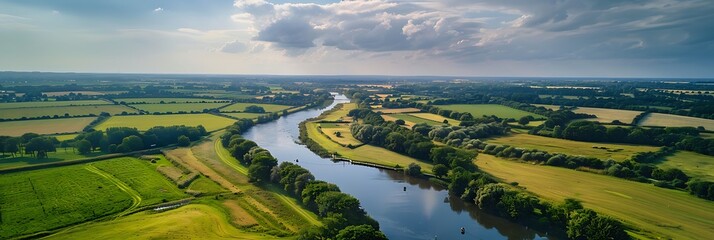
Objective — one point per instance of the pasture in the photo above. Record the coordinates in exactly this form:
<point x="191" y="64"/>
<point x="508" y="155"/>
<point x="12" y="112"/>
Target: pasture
<point x="52" y="104"/>
<point x="60" y="155"/>
<point x="18" y="113"/>
<point x="345" y="138"/>
<point x="240" y="107"/>
<point x="698" y="166"/>
<point x="168" y="100"/>
<point x="658" y="212"/>
<point x="557" y="145"/>
<point x="396" y="110"/>
<point x="86" y="93"/>
<point x="669" y="120"/>
<point x="177" y="107"/>
<point x="436" y="118"/>
<point x="341" y="113"/>
<point x="606" y="115"/>
<point x="44" y="126"/>
<point x="244" y="115"/>
<point x="416" y="120"/>
<point x="144" y="122"/>
<point x="479" y="110"/>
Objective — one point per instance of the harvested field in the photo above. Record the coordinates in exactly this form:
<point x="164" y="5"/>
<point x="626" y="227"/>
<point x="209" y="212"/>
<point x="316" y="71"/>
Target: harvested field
<point x="19" y="113"/>
<point x="45" y="126"/>
<point x="144" y="122"/>
<point x="669" y="120"/>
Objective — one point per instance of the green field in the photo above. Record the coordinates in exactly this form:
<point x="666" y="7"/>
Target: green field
<point x="44" y="126"/>
<point x="59" y="156"/>
<point x="244" y="115"/>
<point x="557" y="145"/>
<point x="240" y="107"/>
<point x="176" y="107"/>
<point x="698" y="166"/>
<point x="144" y="122"/>
<point x="659" y="212"/>
<point x="415" y="120"/>
<point x="436" y="118"/>
<point x="17" y="113"/>
<point x="52" y="104"/>
<point x="669" y="120"/>
<point x="168" y="100"/>
<point x="140" y="176"/>
<point x="341" y="113"/>
<point x="478" y="110"/>
<point x="345" y="138"/>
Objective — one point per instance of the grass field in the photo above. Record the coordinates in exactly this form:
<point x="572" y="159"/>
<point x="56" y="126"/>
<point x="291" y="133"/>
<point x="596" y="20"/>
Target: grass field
<point x="59" y="156"/>
<point x="46" y="199"/>
<point x="660" y="212"/>
<point x="415" y="120"/>
<point x="168" y="100"/>
<point x="244" y="115"/>
<point x="478" y="110"/>
<point x="86" y="93"/>
<point x="605" y="115"/>
<point x="341" y="114"/>
<point x="17" y="113"/>
<point x="345" y="138"/>
<point x="556" y="145"/>
<point x="669" y="120"/>
<point x="52" y="104"/>
<point x="240" y="107"/>
<point x="693" y="164"/>
<point x="176" y="107"/>
<point x="396" y="110"/>
<point x="436" y="118"/>
<point x="44" y="126"/>
<point x="144" y="122"/>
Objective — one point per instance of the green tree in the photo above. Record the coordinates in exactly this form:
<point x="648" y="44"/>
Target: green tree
<point x="40" y="146"/>
<point x="440" y="170"/>
<point x="131" y="143"/>
<point x="183" y="141"/>
<point x="524" y="120"/>
<point x="413" y="170"/>
<point x="254" y="109"/>
<point x="84" y="147"/>
<point x="360" y="232"/>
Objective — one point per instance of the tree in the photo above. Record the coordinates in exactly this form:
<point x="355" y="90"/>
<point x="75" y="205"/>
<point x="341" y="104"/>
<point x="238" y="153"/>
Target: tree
<point x="84" y="147"/>
<point x="254" y="109"/>
<point x="183" y="141"/>
<point x="131" y="143"/>
<point x="440" y="170"/>
<point x="360" y="232"/>
<point x="524" y="120"/>
<point x="413" y="170"/>
<point x="12" y="145"/>
<point x="40" y="146"/>
<point x="400" y="122"/>
<point x="338" y="134"/>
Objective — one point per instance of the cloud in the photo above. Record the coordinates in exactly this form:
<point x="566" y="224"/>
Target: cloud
<point x="233" y="47"/>
<point x="158" y="10"/>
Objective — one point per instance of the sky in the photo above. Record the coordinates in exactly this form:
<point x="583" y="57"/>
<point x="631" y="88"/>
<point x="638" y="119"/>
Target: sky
<point x="559" y="38"/>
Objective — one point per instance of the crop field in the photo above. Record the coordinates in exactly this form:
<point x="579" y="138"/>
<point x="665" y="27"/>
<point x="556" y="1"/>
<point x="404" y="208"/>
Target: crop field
<point x="546" y="106"/>
<point x="605" y="115"/>
<point x="52" y="104"/>
<point x="244" y="115"/>
<point x="167" y="100"/>
<point x="415" y="120"/>
<point x="240" y="107"/>
<point x="40" y="200"/>
<point x="659" y="212"/>
<point x="86" y="93"/>
<point x="557" y="145"/>
<point x="144" y="122"/>
<point x="669" y="120"/>
<point x="436" y="118"/>
<point x="60" y="155"/>
<point x="44" y="126"/>
<point x="396" y="110"/>
<point x="478" y="110"/>
<point x="17" y="113"/>
<point x="176" y="107"/>
<point x="341" y="114"/>
<point x="695" y="165"/>
<point x="345" y="138"/>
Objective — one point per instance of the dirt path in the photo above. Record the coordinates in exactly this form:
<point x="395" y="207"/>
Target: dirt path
<point x="135" y="196"/>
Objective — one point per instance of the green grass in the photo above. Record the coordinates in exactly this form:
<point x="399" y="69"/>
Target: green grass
<point x="44" y="126"/>
<point x="144" y="122"/>
<point x="416" y="120"/>
<point x="698" y="166"/>
<point x="345" y="138"/>
<point x="52" y="104"/>
<point x="46" y="199"/>
<point x="245" y="115"/>
<point x="176" y="107"/>
<point x="657" y="211"/>
<point x="341" y="113"/>
<point x="205" y="185"/>
<point x="59" y="156"/>
<point x="65" y="137"/>
<point x="478" y="110"/>
<point x="436" y="118"/>
<point x="167" y="100"/>
<point x="17" y="113"/>
<point x="557" y="145"/>
<point x="669" y="120"/>
<point x="240" y="107"/>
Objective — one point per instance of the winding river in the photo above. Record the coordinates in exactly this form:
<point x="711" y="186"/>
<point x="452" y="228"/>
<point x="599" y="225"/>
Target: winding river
<point x="423" y="211"/>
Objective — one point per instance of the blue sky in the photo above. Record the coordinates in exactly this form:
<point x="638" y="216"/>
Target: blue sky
<point x="636" y="38"/>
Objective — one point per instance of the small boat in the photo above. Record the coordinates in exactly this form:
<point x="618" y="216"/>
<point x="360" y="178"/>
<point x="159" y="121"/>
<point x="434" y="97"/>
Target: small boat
<point x="405" y="189"/>
<point x="297" y="160"/>
<point x="463" y="230"/>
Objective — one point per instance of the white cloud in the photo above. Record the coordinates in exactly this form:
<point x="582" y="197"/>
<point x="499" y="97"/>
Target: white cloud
<point x="157" y="10"/>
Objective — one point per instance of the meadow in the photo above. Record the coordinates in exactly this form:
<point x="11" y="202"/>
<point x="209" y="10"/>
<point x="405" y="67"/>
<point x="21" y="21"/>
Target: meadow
<point x="60" y="155"/>
<point x="606" y="115"/>
<point x="86" y="93"/>
<point x="240" y="107"/>
<point x="167" y="100"/>
<point x="557" y="145"/>
<point x="341" y="113"/>
<point x="345" y="138"/>
<point x="244" y="115"/>
<point x="669" y="120"/>
<point x="18" y="113"/>
<point x="436" y="118"/>
<point x="698" y="166"/>
<point x="176" y="107"/>
<point x="144" y="122"/>
<point x="658" y="212"/>
<point x="415" y="120"/>
<point x="44" y="126"/>
<point x="396" y="110"/>
<point x="479" y="110"/>
<point x="52" y="104"/>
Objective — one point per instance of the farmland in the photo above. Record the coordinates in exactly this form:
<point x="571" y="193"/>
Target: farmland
<point x="177" y="107"/>
<point x="52" y="104"/>
<point x="693" y="164"/>
<point x="436" y="118"/>
<point x="605" y="115"/>
<point x="144" y="122"/>
<point x="657" y="211"/>
<point x="44" y="126"/>
<point x="240" y="107"/>
<point x="345" y="138"/>
<point x="244" y="115"/>
<point x="60" y="155"/>
<point x="341" y="113"/>
<point x="167" y="100"/>
<point x="556" y="145"/>
<point x="18" y="113"/>
<point x="479" y="110"/>
<point x="415" y="120"/>
<point x="396" y="110"/>
<point x="669" y="120"/>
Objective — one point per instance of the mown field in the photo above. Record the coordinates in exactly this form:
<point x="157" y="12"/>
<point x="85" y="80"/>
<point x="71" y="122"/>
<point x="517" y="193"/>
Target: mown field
<point x="436" y="118"/>
<point x="52" y="104"/>
<point x="345" y="138"/>
<point x="341" y="114"/>
<point x="240" y="107"/>
<point x="396" y="110"/>
<point x="669" y="120"/>
<point x="176" y="107"/>
<point x="17" y="113"/>
<point x="44" y="126"/>
<point x="86" y="93"/>
<point x="244" y="115"/>
<point x="659" y="212"/>
<point x="167" y="100"/>
<point x="695" y="165"/>
<point x="556" y="145"/>
<point x="144" y="122"/>
<point x="605" y="115"/>
<point x="415" y="120"/>
<point x="479" y="110"/>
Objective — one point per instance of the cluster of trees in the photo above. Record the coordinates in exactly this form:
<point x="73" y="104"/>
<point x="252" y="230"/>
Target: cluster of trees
<point x="29" y="143"/>
<point x="124" y="139"/>
<point x="254" y="109"/>
<point x="456" y="134"/>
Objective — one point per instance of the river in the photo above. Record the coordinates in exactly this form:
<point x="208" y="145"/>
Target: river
<point x="423" y="211"/>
